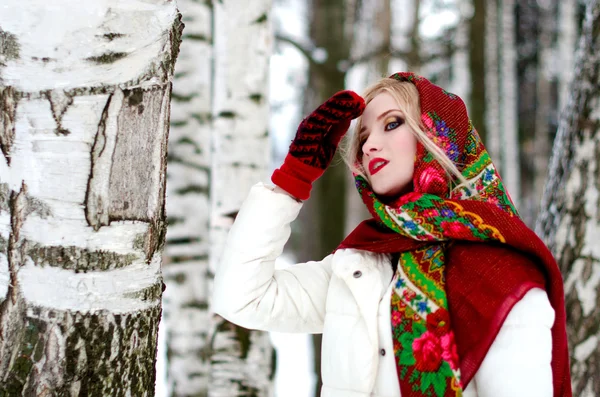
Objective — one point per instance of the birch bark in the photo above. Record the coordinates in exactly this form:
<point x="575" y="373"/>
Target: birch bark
<point x="322" y="220"/>
<point x="186" y="319"/>
<point x="492" y="86"/>
<point x="372" y="26"/>
<point x="460" y="73"/>
<point x="509" y="122"/>
<point x="477" y="42"/>
<point x="413" y="57"/>
<point x="567" y="43"/>
<point x="242" y="360"/>
<point x="570" y="218"/>
<point x="84" y="116"/>
<point x="541" y="149"/>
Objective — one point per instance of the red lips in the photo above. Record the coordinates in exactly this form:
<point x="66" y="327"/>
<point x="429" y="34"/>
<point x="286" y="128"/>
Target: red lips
<point x="377" y="164"/>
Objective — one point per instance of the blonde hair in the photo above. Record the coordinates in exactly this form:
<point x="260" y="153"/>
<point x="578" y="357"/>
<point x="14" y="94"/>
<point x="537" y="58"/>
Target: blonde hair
<point x="406" y="96"/>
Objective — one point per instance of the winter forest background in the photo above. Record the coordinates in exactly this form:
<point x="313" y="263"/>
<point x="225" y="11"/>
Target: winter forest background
<point x="102" y="185"/>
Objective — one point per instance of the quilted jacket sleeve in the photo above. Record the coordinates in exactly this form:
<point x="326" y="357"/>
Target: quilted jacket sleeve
<point x="518" y="362"/>
<point x="248" y="291"/>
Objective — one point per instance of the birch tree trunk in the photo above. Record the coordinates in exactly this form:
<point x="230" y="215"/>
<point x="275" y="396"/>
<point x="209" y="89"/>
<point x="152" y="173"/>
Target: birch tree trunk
<point x="84" y="117"/>
<point x="501" y="93"/>
<point x="492" y="83"/>
<point x="567" y="42"/>
<point x="383" y="27"/>
<point x="477" y="44"/>
<point x="322" y="219"/>
<point x="372" y="26"/>
<point x="242" y="360"/>
<point x="186" y="319"/>
<point x="413" y="58"/>
<point x="460" y="73"/>
<point x="541" y="147"/>
<point x="509" y="123"/>
<point x="570" y="221"/>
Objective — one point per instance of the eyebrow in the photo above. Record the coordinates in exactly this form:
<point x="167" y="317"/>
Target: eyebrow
<point x="382" y="115"/>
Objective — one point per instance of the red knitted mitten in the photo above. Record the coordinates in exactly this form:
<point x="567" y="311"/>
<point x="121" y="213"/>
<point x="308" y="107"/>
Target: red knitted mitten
<point x="315" y="143"/>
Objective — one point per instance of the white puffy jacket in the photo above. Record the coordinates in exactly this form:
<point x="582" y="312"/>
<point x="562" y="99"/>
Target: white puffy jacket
<point x="351" y="309"/>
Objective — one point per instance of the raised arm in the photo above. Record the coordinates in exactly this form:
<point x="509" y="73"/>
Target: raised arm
<point x="248" y="290"/>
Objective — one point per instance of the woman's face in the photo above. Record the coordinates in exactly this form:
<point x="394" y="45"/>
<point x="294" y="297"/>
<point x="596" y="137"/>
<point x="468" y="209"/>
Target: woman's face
<point x="389" y="147"/>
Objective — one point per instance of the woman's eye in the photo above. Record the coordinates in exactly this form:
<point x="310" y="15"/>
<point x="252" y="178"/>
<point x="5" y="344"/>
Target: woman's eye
<point x="393" y="124"/>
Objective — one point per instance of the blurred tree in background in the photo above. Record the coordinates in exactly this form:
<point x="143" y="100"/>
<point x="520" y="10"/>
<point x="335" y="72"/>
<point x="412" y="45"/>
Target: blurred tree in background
<point x="218" y="149"/>
<point x="185" y="321"/>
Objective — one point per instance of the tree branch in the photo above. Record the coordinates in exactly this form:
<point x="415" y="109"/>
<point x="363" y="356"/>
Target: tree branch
<point x="446" y="51"/>
<point x="305" y="49"/>
<point x="378" y="52"/>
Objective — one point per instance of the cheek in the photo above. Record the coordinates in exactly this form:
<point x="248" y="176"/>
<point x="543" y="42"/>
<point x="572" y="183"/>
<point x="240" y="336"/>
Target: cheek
<point x="405" y="145"/>
<point x="362" y="163"/>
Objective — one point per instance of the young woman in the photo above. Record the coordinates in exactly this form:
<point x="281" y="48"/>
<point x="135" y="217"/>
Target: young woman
<point x="444" y="292"/>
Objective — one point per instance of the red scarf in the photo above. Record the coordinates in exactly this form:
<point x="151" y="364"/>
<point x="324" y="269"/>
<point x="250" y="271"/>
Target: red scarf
<point x="490" y="258"/>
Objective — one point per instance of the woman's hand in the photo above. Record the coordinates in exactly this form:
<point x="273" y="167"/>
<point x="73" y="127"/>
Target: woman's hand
<point x="315" y="143"/>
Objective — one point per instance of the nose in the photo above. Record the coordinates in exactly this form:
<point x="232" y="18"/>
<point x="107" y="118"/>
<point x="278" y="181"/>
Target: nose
<point x="371" y="145"/>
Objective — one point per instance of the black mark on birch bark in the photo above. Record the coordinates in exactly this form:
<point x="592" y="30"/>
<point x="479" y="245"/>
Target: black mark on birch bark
<point x="261" y="19"/>
<point x="226" y="114"/>
<point x="112" y="36"/>
<point x="44" y="59"/>
<point x="77" y="259"/>
<point x="8" y="106"/>
<point x="134" y="96"/>
<point x="256" y="98"/>
<point x="107" y="57"/>
<point x="9" y="46"/>
<point x="184" y="98"/>
<point x="196" y="37"/>
<point x="59" y="103"/>
<point x="135" y="99"/>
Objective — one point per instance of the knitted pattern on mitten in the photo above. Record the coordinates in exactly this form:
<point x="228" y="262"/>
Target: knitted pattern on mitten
<point x="315" y="143"/>
<point x="320" y="133"/>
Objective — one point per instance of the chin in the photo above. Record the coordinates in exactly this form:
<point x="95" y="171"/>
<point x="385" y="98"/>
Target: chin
<point x="388" y="193"/>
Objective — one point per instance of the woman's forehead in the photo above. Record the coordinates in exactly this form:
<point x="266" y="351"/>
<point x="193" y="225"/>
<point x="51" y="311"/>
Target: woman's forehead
<point x="382" y="103"/>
